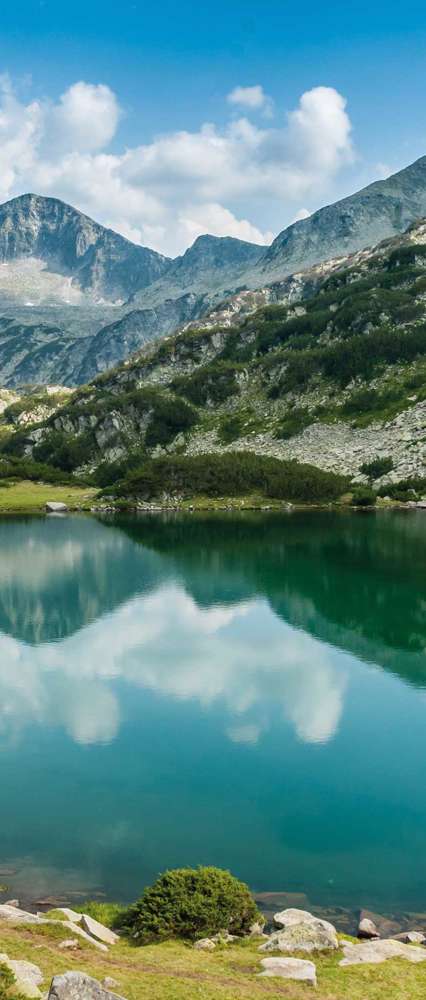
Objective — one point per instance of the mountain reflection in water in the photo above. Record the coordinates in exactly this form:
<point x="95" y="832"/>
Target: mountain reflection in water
<point x="265" y="630"/>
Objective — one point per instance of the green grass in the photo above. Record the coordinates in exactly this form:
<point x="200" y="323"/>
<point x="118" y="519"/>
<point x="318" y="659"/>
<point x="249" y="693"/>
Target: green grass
<point x="175" y="971"/>
<point x="24" y="495"/>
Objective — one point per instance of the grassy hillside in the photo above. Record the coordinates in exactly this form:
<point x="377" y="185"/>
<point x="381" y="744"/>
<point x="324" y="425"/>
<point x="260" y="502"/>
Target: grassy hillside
<point x="175" y="971"/>
<point x="335" y="380"/>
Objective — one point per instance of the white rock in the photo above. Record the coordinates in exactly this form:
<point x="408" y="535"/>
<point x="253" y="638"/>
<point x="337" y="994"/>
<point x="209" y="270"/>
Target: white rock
<point x="14" y="915"/>
<point x="12" y="902"/>
<point x="375" y="952"/>
<point x="55" y="507"/>
<point x="290" y="968"/>
<point x="205" y="944"/>
<point x="69" y="944"/>
<point x="98" y="930"/>
<point x="293" y="917"/>
<point x="303" y="932"/>
<point x="70" y="914"/>
<point x="367" y="929"/>
<point x="27" y="975"/>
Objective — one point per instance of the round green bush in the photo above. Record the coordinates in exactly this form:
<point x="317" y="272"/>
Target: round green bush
<point x="192" y="903"/>
<point x="363" y="496"/>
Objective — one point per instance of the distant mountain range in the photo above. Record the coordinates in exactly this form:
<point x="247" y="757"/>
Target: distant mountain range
<point x="77" y="298"/>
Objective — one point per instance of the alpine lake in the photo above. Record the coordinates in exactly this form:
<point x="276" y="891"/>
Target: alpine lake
<point x="243" y="690"/>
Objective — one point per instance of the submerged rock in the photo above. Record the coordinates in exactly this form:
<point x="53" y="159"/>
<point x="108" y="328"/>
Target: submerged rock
<point x="375" y="952"/>
<point x="78" y="986"/>
<point x="290" y="968"/>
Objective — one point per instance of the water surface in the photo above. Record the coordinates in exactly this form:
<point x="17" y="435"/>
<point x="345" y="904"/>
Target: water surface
<point x="246" y="691"/>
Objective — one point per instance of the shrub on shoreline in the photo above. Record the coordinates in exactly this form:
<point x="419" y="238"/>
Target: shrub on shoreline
<point x="233" y="474"/>
<point x="192" y="903"/>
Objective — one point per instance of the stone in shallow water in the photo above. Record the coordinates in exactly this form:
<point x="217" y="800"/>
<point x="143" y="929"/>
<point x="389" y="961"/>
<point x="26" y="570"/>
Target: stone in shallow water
<point x="411" y="937"/>
<point x="375" y="952"/>
<point x="27" y="975"/>
<point x="367" y="929"/>
<point x="78" y="986"/>
<point x="55" y="507"/>
<point x="289" y="968"/>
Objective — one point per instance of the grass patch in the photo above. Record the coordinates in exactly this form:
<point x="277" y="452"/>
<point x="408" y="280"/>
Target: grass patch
<point x="28" y="496"/>
<point x="175" y="971"/>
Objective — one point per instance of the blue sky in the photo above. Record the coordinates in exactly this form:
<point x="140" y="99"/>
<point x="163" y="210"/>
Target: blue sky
<point x="152" y="78"/>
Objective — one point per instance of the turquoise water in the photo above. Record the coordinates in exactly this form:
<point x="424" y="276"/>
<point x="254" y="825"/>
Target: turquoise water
<point x="247" y="691"/>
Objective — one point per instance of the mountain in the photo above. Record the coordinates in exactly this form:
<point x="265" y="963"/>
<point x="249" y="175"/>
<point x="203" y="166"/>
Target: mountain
<point x="72" y="292"/>
<point x="330" y="372"/>
<point x="95" y="260"/>
<point x="76" y="298"/>
<point x="378" y="211"/>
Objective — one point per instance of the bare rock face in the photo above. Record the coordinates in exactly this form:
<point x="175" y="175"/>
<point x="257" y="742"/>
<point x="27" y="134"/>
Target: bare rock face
<point x="27" y="975"/>
<point x="375" y="952"/>
<point x="78" y="986"/>
<point x="289" y="968"/>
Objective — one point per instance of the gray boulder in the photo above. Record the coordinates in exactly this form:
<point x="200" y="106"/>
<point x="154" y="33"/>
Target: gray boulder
<point x="293" y="917"/>
<point x="411" y="937"/>
<point x="78" y="986"/>
<point x="205" y="944"/>
<point x="375" y="952"/>
<point x="289" y="968"/>
<point x="307" y="937"/>
<point x="301" y="931"/>
<point x="28" y="976"/>
<point x="367" y="929"/>
<point x="55" y="507"/>
<point x="98" y="930"/>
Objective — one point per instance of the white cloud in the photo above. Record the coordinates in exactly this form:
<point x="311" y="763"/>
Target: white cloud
<point x="303" y="213"/>
<point x="225" y="180"/>
<point x="253" y="98"/>
<point x="249" y="671"/>
<point x="86" y="117"/>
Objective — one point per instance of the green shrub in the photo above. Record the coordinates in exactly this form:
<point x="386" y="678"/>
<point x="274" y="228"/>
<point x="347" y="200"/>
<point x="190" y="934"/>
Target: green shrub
<point x="363" y="496"/>
<point x="212" y="383"/>
<point x="377" y="467"/>
<point x="230" y="428"/>
<point x="171" y="416"/>
<point x="294" y="423"/>
<point x="65" y="451"/>
<point x="232" y="474"/>
<point x="192" y="903"/>
<point x="8" y="990"/>
<point x="404" y="489"/>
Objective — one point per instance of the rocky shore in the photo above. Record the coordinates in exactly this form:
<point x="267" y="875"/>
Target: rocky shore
<point x="290" y="945"/>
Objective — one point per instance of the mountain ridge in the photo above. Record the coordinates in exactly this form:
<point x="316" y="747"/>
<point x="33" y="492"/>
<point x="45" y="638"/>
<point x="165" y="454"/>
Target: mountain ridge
<point x="159" y="295"/>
